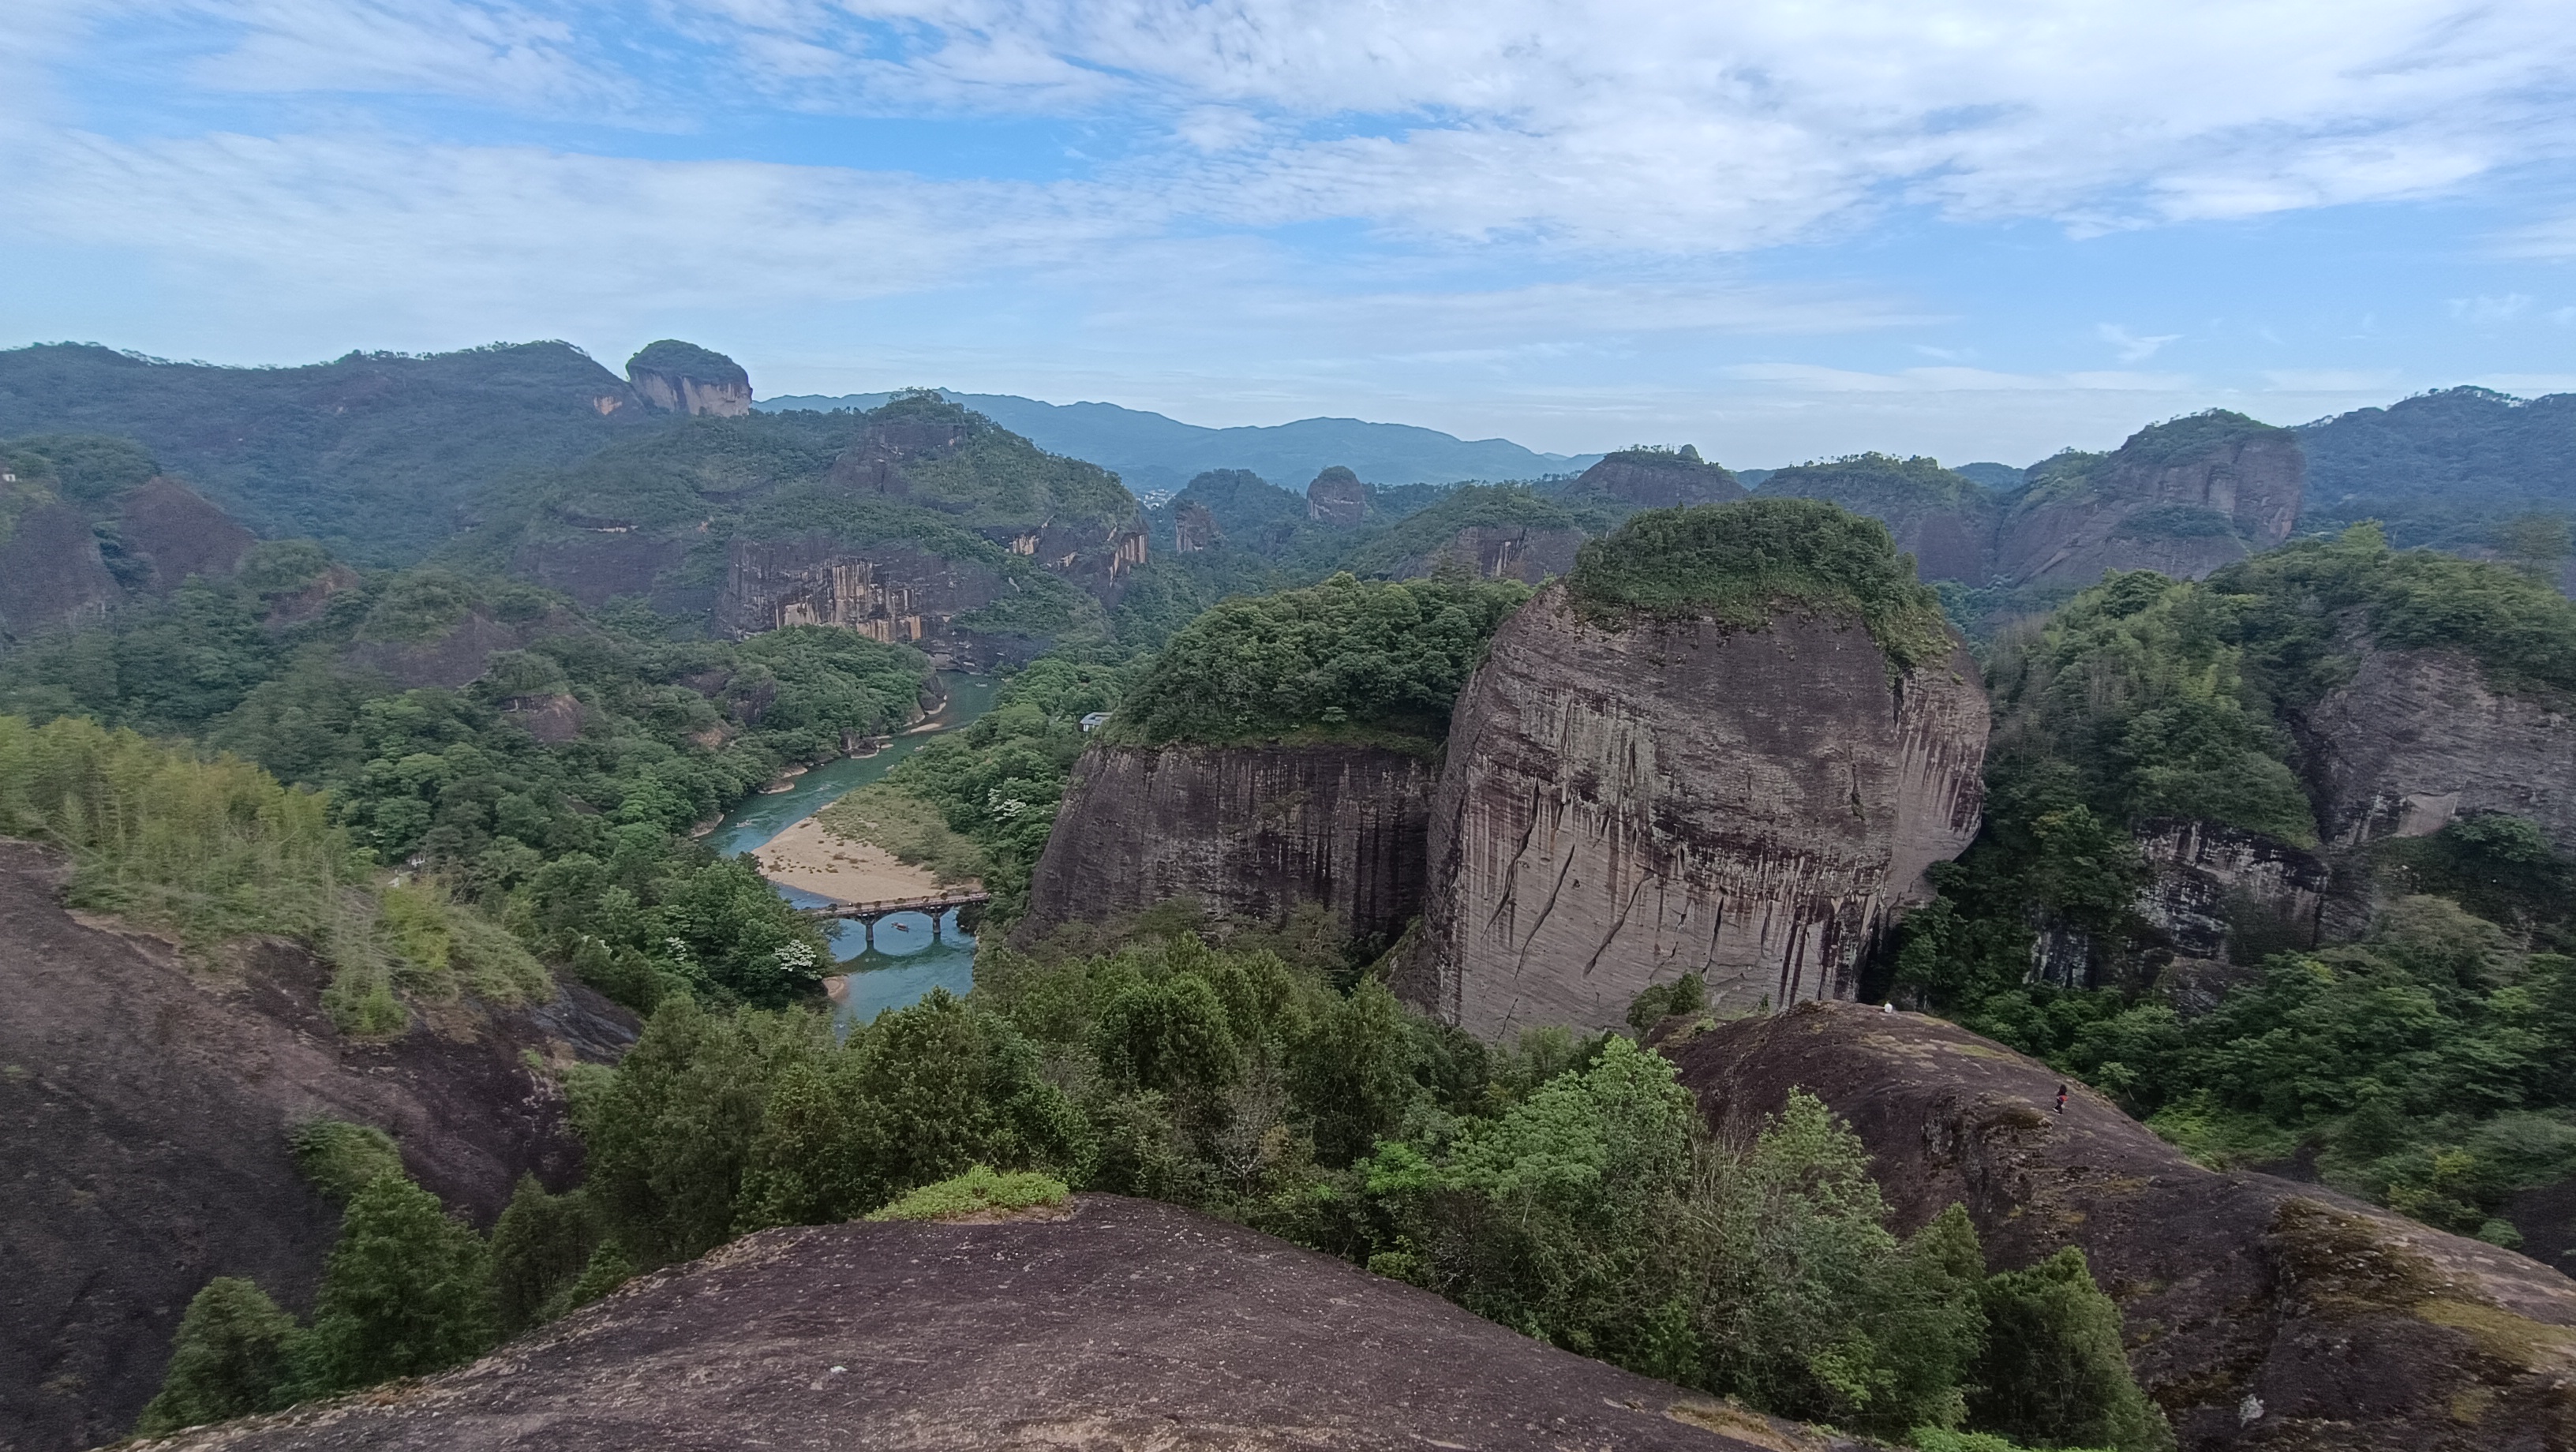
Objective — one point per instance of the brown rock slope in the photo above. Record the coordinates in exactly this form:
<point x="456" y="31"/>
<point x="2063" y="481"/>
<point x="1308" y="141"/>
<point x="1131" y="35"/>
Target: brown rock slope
<point x="1621" y="807"/>
<point x="2260" y="1313"/>
<point x="1129" y="1325"/>
<point x="1945" y="520"/>
<point x="2417" y="737"/>
<point x="1656" y="479"/>
<point x="144" y="1110"/>
<point x="2180" y="498"/>
<point x="1255" y="831"/>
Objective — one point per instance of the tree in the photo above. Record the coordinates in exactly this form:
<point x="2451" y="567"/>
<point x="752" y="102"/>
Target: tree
<point x="406" y="1291"/>
<point x="2054" y="1374"/>
<point x="229" y="1360"/>
<point x="540" y="1247"/>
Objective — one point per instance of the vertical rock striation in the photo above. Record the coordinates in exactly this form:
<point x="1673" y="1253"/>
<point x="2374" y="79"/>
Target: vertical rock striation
<point x="678" y="377"/>
<point x="1255" y="831"/>
<point x="1337" y="497"/>
<point x="2417" y="737"/>
<point x="1621" y="807"/>
<point x="2181" y="498"/>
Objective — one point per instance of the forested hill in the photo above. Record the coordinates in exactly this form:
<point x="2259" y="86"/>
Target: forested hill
<point x="1154" y="453"/>
<point x="373" y="453"/>
<point x="2445" y="469"/>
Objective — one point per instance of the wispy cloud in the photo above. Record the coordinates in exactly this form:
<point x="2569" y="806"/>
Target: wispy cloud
<point x="2487" y="311"/>
<point x="2131" y="347"/>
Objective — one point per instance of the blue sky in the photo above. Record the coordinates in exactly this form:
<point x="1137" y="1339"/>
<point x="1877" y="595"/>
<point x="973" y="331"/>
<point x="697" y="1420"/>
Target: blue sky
<point x="1777" y="230"/>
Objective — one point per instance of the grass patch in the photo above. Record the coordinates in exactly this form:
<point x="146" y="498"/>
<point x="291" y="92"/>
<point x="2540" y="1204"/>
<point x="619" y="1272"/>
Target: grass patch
<point x="979" y="1191"/>
<point x="2215" y="1138"/>
<point x="915" y="831"/>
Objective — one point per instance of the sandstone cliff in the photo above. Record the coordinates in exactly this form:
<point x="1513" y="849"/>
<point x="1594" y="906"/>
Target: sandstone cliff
<point x="1656" y="479"/>
<point x="1945" y="520"/>
<point x="1255" y="831"/>
<point x="1194" y="528"/>
<point x="893" y="591"/>
<point x="1127" y="1325"/>
<point x="2181" y="498"/>
<point x="2417" y="737"/>
<point x="144" y="1115"/>
<point x="173" y="529"/>
<point x="1337" y="497"/>
<point x="1619" y="807"/>
<point x="51" y="574"/>
<point x="2260" y="1313"/>
<point x="678" y="377"/>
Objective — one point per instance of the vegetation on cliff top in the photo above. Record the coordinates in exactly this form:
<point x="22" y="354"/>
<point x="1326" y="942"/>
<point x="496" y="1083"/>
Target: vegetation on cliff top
<point x="1879" y="479"/>
<point x="1472" y="506"/>
<point x="1740" y="563"/>
<point x="671" y="355"/>
<point x="1343" y="660"/>
<point x="2074" y="473"/>
<point x="2448" y="469"/>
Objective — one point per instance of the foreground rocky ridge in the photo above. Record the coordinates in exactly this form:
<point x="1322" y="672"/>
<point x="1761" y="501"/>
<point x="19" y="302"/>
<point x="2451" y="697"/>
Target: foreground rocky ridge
<point x="1125" y="1325"/>
<point x="144" y="1111"/>
<point x="1620" y="807"/>
<point x="2260" y="1313"/>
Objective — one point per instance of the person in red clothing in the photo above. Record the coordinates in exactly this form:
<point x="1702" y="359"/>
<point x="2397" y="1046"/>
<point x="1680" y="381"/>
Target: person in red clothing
<point x="2061" y="1099"/>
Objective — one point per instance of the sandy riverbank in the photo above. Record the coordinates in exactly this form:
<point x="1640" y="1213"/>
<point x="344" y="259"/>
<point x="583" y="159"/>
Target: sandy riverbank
<point x="805" y="856"/>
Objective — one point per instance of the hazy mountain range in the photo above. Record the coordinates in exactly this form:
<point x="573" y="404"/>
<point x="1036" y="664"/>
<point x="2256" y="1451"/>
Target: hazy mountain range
<point x="1153" y="453"/>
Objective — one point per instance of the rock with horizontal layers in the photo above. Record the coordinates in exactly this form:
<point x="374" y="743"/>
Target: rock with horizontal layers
<point x="1125" y="1325"/>
<point x="678" y="377"/>
<point x="2217" y="899"/>
<point x="2181" y="499"/>
<point x="1337" y="497"/>
<point x="2260" y="1313"/>
<point x="1657" y="479"/>
<point x="2418" y="737"/>
<point x="1619" y="807"/>
<point x="1254" y="831"/>
<point x="145" y="1102"/>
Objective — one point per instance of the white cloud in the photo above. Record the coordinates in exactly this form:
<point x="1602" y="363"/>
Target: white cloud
<point x="2487" y="311"/>
<point x="2132" y="348"/>
<point x="1805" y="377"/>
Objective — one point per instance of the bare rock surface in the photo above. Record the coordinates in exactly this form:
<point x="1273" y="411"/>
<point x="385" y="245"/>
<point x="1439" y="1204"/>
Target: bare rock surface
<point x="2182" y="517"/>
<point x="181" y="533"/>
<point x="2260" y="1313"/>
<point x="1655" y="479"/>
<point x="1520" y="552"/>
<point x="1254" y="831"/>
<point x="2417" y="737"/>
<point x="144" y="1110"/>
<point x="456" y="658"/>
<point x="51" y="575"/>
<point x="1617" y="808"/>
<point x="1337" y="497"/>
<point x="1127" y="1325"/>
<point x="890" y="591"/>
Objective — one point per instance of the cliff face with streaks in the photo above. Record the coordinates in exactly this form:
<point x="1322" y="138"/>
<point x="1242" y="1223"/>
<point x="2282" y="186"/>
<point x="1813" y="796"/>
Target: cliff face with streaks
<point x="678" y="377"/>
<point x="1254" y="831"/>
<point x="893" y="592"/>
<point x="2181" y="499"/>
<point x="2418" y="737"/>
<point x="1656" y="479"/>
<point x="1618" y="808"/>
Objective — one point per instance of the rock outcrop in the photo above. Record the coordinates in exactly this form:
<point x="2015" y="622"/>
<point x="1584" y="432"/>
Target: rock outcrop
<point x="455" y="657"/>
<point x="2181" y="498"/>
<point x="1498" y="552"/>
<point x="1252" y="831"/>
<point x="2219" y="896"/>
<point x="1619" y="807"/>
<point x="51" y="574"/>
<point x="1125" y="1325"/>
<point x="1194" y="528"/>
<point x="2260" y="1313"/>
<point x="1337" y="497"/>
<point x="1656" y="479"/>
<point x="678" y="377"/>
<point x="179" y="533"/>
<point x="892" y="592"/>
<point x="144" y="1110"/>
<point x="1945" y="520"/>
<point x="2417" y="737"/>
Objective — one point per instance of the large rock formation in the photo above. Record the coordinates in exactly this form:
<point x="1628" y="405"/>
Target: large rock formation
<point x="144" y="1110"/>
<point x="1622" y="806"/>
<point x="1127" y="1325"/>
<point x="1255" y="831"/>
<point x="2180" y="498"/>
<point x="51" y="574"/>
<point x="1337" y="497"/>
<point x="893" y="591"/>
<point x="1194" y="528"/>
<point x="2218" y="896"/>
<point x="2417" y="737"/>
<point x="1945" y="520"/>
<point x="2260" y="1313"/>
<point x="1656" y="479"/>
<point x="178" y="533"/>
<point x="678" y="377"/>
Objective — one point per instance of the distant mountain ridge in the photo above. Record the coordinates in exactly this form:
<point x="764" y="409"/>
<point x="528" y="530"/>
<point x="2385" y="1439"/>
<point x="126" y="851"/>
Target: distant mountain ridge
<point x="1153" y="453"/>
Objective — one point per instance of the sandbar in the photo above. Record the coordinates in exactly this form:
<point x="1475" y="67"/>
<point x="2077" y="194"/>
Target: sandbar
<point x="808" y="857"/>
